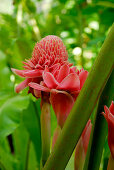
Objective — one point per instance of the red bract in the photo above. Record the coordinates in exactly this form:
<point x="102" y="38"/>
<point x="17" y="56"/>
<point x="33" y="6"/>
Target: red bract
<point x="49" y="54"/>
<point x="64" y="86"/>
<point x="86" y="135"/>
<point x="109" y="116"/>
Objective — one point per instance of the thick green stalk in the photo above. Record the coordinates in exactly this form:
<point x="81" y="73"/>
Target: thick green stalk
<point x="83" y="107"/>
<point x="45" y="130"/>
<point x="95" y="150"/>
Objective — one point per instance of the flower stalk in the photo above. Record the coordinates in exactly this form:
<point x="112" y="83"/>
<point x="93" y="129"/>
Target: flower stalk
<point x="45" y="128"/>
<point x="86" y="101"/>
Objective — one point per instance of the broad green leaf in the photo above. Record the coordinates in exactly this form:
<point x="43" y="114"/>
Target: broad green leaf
<point x="7" y="159"/>
<point x="32" y="162"/>
<point x="10" y="114"/>
<point x="31" y="120"/>
<point x="21" y="142"/>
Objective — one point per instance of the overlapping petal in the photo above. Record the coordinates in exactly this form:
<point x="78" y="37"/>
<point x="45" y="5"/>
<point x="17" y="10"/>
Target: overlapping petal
<point x="70" y="83"/>
<point x="64" y="71"/>
<point x="22" y="85"/>
<point x="49" y="80"/>
<point x="83" y="76"/>
<point x="39" y="87"/>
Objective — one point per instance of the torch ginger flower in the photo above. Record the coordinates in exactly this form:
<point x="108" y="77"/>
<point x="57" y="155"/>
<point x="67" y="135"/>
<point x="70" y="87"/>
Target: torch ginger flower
<point x="109" y="116"/>
<point x="49" y="71"/>
<point x="49" y="54"/>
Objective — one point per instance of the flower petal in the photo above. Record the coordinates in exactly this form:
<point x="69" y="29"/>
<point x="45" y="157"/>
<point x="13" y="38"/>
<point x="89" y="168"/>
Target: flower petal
<point x="71" y="83"/>
<point x="22" y="85"/>
<point x="33" y="73"/>
<point x="27" y="73"/>
<point x="37" y="93"/>
<point x="86" y="135"/>
<point x="62" y="105"/>
<point x="19" y="72"/>
<point x="64" y="71"/>
<point x="110" y="120"/>
<point x="49" y="80"/>
<point x="111" y="108"/>
<point x="38" y="87"/>
<point x="54" y="67"/>
<point x="82" y="76"/>
<point x="73" y="69"/>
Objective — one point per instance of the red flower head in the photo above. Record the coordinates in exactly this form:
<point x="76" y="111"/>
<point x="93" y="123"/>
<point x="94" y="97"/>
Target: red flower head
<point x="49" y="54"/>
<point x="64" y="86"/>
<point x="109" y="116"/>
<point x="48" y="70"/>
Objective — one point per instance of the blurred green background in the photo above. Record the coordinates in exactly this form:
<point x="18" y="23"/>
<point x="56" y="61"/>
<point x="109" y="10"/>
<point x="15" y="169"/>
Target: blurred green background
<point x="81" y="24"/>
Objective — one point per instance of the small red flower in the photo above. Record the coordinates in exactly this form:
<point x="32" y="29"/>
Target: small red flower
<point x="49" y="54"/>
<point x="109" y="116"/>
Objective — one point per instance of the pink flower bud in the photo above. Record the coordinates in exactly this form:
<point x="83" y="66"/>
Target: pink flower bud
<point x="81" y="147"/>
<point x="109" y="116"/>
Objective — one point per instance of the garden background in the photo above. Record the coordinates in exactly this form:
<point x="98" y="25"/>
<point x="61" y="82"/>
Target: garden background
<point x="82" y="25"/>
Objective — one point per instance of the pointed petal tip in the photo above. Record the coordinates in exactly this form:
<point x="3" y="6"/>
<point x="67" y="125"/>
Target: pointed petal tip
<point x="13" y="70"/>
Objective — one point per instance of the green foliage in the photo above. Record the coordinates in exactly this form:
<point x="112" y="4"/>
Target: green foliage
<point x="10" y="114"/>
<point x="31" y="121"/>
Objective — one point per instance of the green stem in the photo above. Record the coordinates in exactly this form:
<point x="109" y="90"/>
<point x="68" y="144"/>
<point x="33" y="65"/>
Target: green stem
<point x="95" y="150"/>
<point x="45" y="131"/>
<point x="83" y="107"/>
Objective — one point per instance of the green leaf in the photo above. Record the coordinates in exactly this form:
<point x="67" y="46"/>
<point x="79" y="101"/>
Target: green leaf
<point x="31" y="120"/>
<point x="20" y="143"/>
<point x="32" y="162"/>
<point x="7" y="160"/>
<point x="10" y="114"/>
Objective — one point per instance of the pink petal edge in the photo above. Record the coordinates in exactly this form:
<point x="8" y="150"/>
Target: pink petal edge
<point x="39" y="87"/>
<point x="49" y="80"/>
<point x="71" y="83"/>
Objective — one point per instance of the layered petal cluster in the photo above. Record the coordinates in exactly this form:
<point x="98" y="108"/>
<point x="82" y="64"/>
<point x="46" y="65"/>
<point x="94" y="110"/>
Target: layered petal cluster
<point x="64" y="86"/>
<point x="109" y="116"/>
<point x="49" y="71"/>
<point x="49" y="54"/>
<point x="82" y="145"/>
